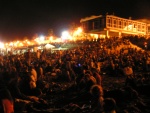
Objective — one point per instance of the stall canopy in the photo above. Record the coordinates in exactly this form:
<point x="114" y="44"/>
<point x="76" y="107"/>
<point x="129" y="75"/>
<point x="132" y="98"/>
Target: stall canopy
<point x="49" y="46"/>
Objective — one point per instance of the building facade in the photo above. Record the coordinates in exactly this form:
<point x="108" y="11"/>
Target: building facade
<point x="110" y="25"/>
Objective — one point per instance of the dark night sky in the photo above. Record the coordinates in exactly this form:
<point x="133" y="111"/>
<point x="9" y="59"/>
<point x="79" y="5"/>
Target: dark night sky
<point x="25" y="18"/>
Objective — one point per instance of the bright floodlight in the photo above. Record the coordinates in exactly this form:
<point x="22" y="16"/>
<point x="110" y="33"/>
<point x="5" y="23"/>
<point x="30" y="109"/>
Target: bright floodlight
<point x="42" y="38"/>
<point x="1" y="45"/>
<point x="65" y="35"/>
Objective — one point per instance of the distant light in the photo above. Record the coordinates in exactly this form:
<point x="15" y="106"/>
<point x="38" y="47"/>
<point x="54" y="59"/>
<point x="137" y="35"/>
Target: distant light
<point x="51" y="38"/>
<point x="1" y="45"/>
<point x="65" y="35"/>
<point x="20" y="44"/>
<point x="79" y="30"/>
<point x="58" y="40"/>
<point x="42" y="38"/>
<point x="11" y="44"/>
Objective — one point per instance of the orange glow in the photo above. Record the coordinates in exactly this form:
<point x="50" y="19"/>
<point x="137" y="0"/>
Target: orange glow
<point x="20" y="44"/>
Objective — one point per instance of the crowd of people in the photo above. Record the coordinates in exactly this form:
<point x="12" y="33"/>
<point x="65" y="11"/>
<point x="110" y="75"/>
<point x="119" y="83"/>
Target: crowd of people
<point x="71" y="80"/>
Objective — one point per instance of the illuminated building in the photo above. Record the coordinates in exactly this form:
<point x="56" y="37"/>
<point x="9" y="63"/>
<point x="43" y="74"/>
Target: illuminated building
<point x="111" y="25"/>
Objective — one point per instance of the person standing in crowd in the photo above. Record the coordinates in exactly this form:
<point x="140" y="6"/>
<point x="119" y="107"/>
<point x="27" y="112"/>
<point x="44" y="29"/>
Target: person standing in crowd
<point x="28" y="57"/>
<point x="38" y="54"/>
<point x="7" y="103"/>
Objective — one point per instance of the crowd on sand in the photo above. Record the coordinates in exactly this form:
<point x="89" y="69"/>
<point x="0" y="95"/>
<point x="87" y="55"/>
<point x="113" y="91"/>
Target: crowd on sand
<point x="71" y="81"/>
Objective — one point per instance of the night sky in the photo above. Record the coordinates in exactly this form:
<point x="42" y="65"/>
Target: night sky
<point x="26" y="18"/>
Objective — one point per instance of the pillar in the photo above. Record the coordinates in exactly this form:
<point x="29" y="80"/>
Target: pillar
<point x="120" y="34"/>
<point x="107" y="33"/>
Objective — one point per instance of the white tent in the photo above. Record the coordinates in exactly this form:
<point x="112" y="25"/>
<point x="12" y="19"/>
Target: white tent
<point x="49" y="46"/>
